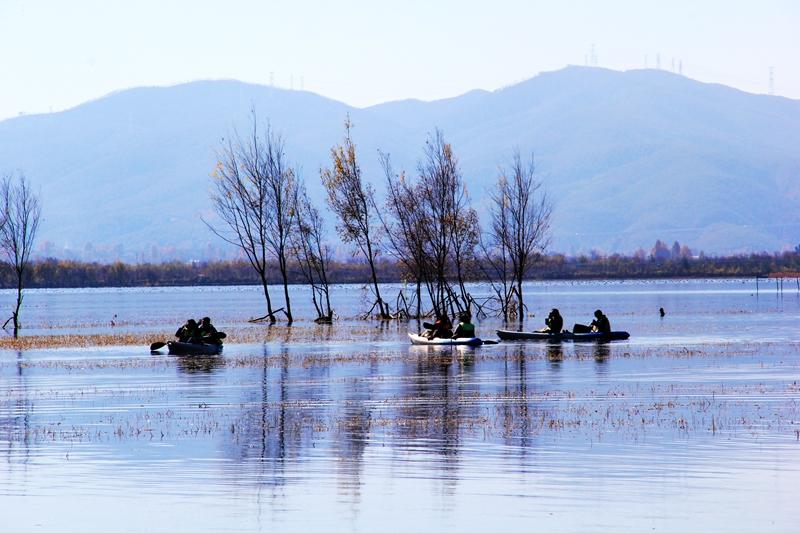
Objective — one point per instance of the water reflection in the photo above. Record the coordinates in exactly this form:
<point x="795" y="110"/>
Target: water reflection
<point x="199" y="364"/>
<point x="516" y="412"/>
<point x="602" y="351"/>
<point x="279" y="430"/>
<point x="555" y="353"/>
<point x="16" y="415"/>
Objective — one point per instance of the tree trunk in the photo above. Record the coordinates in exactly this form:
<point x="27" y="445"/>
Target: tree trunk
<point x="419" y="298"/>
<point x="19" y="304"/>
<point x="384" y="312"/>
<point x="328" y="311"/>
<point x="285" y="276"/>
<point x="521" y="316"/>
<point x="314" y="300"/>
<point x="266" y="295"/>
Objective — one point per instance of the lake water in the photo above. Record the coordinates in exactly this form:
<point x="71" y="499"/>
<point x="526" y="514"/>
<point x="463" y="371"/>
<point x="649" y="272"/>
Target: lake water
<point x="693" y="424"/>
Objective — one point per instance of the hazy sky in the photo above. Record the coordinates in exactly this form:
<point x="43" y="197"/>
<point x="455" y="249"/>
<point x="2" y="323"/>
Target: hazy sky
<point x="57" y="53"/>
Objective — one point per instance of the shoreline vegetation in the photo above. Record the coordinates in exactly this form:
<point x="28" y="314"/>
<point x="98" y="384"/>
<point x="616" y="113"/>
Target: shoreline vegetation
<point x="55" y="273"/>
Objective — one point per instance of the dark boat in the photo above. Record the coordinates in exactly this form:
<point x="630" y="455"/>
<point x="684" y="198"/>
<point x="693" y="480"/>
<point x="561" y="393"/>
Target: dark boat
<point x="189" y="348"/>
<point x="508" y="335"/>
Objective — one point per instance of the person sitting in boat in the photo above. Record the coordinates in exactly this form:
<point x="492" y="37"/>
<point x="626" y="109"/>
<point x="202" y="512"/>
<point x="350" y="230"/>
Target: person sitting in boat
<point x="600" y="324"/>
<point x="441" y="329"/>
<point x="208" y="333"/>
<point x="465" y="328"/>
<point x="554" y="321"/>
<point x="188" y="332"/>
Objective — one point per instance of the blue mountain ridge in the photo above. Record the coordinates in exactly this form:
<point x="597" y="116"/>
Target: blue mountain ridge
<point x="627" y="158"/>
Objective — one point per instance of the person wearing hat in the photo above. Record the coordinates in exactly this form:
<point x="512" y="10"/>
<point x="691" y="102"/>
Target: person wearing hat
<point x="465" y="328"/>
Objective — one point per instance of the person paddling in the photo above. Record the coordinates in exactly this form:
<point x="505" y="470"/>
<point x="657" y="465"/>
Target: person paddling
<point x="465" y="328"/>
<point x="600" y="323"/>
<point x="188" y="332"/>
<point x="554" y="321"/>
<point x="207" y="332"/>
<point x="441" y="329"/>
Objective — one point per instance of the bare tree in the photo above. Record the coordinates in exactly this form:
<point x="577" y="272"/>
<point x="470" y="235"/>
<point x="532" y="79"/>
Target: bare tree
<point x="353" y="202"/>
<point x="449" y="224"/>
<point x="281" y="203"/>
<point x="21" y="212"/>
<point x="313" y="254"/>
<point x="254" y="197"/>
<point x="403" y="225"/>
<point x="520" y="230"/>
<point x="496" y="264"/>
<point x="431" y="228"/>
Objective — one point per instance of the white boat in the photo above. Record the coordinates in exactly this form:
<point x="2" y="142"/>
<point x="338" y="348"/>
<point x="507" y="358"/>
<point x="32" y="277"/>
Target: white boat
<point x="466" y="341"/>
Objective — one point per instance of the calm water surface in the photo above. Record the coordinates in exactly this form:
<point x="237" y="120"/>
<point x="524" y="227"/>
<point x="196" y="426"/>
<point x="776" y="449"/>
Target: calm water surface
<point x="692" y="424"/>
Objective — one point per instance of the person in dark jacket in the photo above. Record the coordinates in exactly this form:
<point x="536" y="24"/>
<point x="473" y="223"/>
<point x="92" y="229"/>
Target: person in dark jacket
<point x="188" y="332"/>
<point x="441" y="329"/>
<point x="600" y="323"/>
<point x="208" y="333"/>
<point x="554" y="321"/>
<point x="465" y="328"/>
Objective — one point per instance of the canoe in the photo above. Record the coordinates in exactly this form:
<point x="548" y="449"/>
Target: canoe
<point x="467" y="341"/>
<point x="188" y="348"/>
<point x="508" y="335"/>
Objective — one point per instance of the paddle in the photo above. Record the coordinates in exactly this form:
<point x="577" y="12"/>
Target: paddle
<point x="157" y="346"/>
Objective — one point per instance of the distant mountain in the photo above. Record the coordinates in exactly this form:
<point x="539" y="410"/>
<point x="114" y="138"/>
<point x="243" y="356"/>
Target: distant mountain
<point x="628" y="157"/>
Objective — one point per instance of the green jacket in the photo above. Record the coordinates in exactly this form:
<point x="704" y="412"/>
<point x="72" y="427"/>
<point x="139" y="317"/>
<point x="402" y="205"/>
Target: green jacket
<point x="464" y="330"/>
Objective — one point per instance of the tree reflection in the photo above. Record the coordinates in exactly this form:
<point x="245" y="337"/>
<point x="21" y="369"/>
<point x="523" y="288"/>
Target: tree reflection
<point x="433" y="417"/>
<point x="353" y="432"/>
<point x="15" y="417"/>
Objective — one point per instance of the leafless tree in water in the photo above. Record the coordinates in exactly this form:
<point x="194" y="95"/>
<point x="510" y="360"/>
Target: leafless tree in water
<point x="431" y="228"/>
<point x="254" y="196"/>
<point x="282" y="205"/>
<point x="449" y="225"/>
<point x="313" y="254"/>
<point x="21" y="212"/>
<point x="353" y="202"/>
<point x="520" y="230"/>
<point x="403" y="224"/>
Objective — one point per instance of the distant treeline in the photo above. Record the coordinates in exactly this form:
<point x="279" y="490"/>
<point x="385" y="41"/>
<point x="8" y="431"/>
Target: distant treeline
<point x="638" y="267"/>
<point x="53" y="273"/>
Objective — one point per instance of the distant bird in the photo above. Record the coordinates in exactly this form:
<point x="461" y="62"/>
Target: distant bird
<point x="661" y="312"/>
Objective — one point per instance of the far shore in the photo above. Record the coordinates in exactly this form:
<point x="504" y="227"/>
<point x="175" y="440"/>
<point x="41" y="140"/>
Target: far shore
<point x="60" y="274"/>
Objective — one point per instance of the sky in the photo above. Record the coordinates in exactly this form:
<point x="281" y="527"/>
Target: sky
<point x="57" y="54"/>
